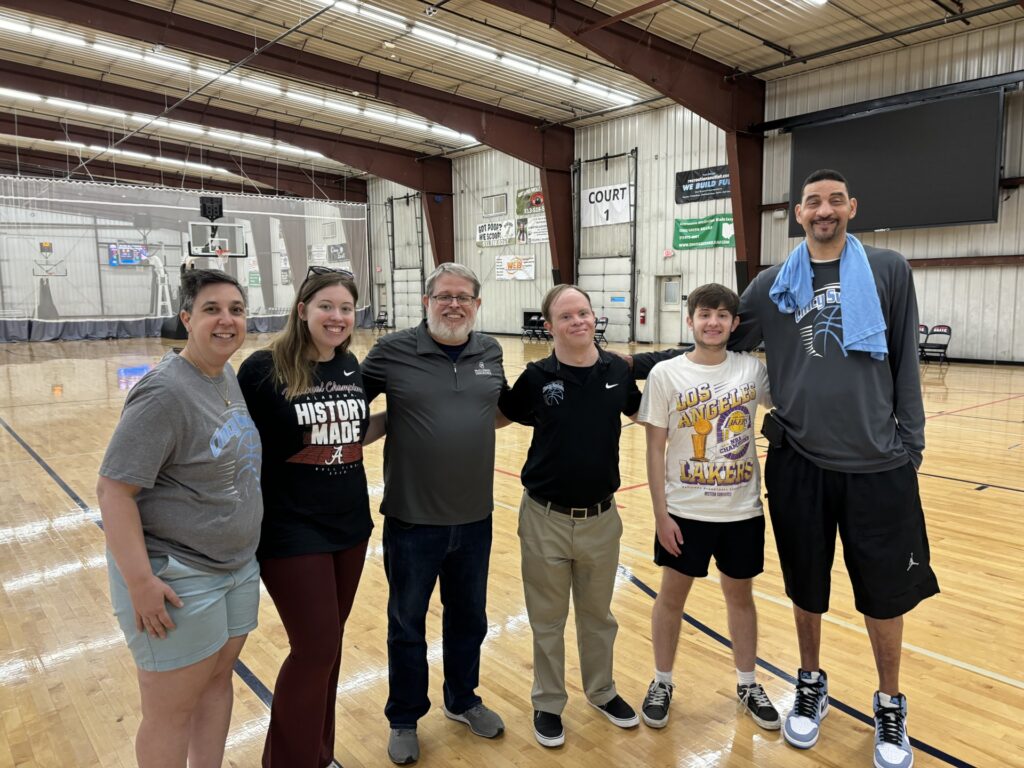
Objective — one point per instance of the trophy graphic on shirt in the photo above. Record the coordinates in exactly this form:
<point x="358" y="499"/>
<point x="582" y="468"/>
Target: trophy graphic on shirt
<point x="701" y="430"/>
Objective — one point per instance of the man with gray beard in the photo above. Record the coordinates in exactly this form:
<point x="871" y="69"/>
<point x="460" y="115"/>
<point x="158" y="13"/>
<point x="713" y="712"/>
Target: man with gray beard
<point x="442" y="381"/>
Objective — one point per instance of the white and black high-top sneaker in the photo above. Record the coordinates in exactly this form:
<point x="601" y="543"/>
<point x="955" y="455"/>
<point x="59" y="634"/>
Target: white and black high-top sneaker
<point x="809" y="708"/>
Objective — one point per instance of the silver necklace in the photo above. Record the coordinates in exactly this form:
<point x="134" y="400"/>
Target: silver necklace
<point x="223" y="394"/>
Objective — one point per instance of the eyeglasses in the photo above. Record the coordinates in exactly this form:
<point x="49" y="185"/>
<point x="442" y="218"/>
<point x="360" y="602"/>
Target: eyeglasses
<point x="464" y="300"/>
<point x="316" y="269"/>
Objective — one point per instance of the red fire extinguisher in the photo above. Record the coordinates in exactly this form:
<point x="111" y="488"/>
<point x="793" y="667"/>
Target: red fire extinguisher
<point x="643" y="315"/>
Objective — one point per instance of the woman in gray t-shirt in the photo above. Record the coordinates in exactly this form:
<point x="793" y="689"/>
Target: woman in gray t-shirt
<point x="179" y="491"/>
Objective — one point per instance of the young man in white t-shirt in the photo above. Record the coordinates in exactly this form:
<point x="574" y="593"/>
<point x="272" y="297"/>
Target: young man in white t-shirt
<point x="699" y="410"/>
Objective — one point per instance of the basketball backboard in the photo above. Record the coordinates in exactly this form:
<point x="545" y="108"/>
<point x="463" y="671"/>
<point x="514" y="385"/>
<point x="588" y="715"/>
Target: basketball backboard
<point x="219" y="240"/>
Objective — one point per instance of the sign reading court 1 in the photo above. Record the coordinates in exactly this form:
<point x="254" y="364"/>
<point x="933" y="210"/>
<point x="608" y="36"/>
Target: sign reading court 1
<point x="606" y="205"/>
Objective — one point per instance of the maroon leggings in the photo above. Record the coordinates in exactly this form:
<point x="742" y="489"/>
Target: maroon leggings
<point x="313" y="595"/>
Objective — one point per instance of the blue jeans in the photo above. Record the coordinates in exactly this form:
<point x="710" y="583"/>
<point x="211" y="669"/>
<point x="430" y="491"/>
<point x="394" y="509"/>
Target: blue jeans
<point x="414" y="557"/>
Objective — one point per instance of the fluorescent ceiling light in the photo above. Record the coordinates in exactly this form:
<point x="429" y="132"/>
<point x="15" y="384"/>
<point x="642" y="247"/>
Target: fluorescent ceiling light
<point x="170" y="161"/>
<point x="58" y="37"/>
<point x="167" y="63"/>
<point x="289" y="149"/>
<point x="24" y="95"/>
<point x="444" y="131"/>
<point x="387" y="18"/>
<point x="117" y="52"/>
<point x="263" y="143"/>
<point x="305" y="98"/>
<point x="341" y="106"/>
<point x="15" y="26"/>
<point x="419" y="125"/>
<point x="177" y="125"/>
<point x="106" y="112"/>
<point x="221" y="136"/>
<point x="522" y="65"/>
<point x="434" y="35"/>
<point x="258" y="85"/>
<point x="75" y="144"/>
<point x="65" y="104"/>
<point x="384" y="117"/>
<point x="341" y="5"/>
<point x="219" y="76"/>
<point x="554" y="76"/>
<point x="136" y="155"/>
<point x="475" y="49"/>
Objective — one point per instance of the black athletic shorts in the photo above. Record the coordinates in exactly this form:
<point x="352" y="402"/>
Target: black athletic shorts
<point x="738" y="547"/>
<point x="879" y="517"/>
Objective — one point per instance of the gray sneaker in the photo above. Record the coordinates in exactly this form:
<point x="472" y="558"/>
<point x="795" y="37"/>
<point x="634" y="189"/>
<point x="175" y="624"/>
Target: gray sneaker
<point x="481" y="721"/>
<point x="403" y="746"/>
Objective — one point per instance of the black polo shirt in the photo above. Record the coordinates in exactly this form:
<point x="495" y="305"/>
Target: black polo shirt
<point x="574" y="457"/>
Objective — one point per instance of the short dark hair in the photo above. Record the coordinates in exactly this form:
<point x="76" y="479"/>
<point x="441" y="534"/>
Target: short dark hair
<point x="713" y="296"/>
<point x="554" y="293"/>
<point x="194" y="280"/>
<point x="825" y="174"/>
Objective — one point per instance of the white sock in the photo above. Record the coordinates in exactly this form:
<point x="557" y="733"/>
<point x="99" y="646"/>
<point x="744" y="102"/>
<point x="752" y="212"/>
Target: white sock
<point x="663" y="677"/>
<point x="746" y="678"/>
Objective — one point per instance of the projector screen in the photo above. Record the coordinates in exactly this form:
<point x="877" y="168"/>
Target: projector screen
<point x="928" y="165"/>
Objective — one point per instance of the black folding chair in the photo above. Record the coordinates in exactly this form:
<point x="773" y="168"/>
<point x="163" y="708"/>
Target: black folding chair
<point x="380" y="322"/>
<point x="533" y="328"/>
<point x="935" y="344"/>
<point x="599" y="329"/>
<point x="922" y="337"/>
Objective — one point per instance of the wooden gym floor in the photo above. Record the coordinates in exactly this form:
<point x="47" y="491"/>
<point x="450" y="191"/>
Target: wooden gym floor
<point x="68" y="695"/>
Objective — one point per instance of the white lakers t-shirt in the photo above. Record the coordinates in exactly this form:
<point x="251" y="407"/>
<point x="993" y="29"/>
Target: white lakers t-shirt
<point x="711" y="468"/>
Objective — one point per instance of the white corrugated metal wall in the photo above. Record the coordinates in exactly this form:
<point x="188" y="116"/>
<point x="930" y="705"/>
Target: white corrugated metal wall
<point x="402" y="295"/>
<point x="668" y="140"/>
<point x="981" y="303"/>
<point x="503" y="302"/>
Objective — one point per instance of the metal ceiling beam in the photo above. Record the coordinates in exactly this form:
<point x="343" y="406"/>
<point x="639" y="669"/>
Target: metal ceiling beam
<point x="620" y="16"/>
<point x="288" y="179"/>
<point x="529" y="139"/>
<point x="34" y="162"/>
<point x="393" y="163"/>
<point x="884" y="36"/>
<point x="691" y="79"/>
<point x="430" y="175"/>
<point x="521" y="136"/>
<point x="700" y="84"/>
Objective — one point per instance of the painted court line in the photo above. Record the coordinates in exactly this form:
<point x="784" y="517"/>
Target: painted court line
<point x="264" y="694"/>
<point x="241" y="670"/>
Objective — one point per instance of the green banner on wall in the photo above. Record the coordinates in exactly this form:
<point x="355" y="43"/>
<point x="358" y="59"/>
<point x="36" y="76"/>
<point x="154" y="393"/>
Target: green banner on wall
<point x="712" y="231"/>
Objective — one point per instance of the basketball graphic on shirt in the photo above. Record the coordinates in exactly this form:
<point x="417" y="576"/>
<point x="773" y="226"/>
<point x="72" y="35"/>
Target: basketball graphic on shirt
<point x="828" y="330"/>
<point x="732" y="433"/>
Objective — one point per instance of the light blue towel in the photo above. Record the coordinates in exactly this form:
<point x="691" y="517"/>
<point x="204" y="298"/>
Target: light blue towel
<point x="863" y="324"/>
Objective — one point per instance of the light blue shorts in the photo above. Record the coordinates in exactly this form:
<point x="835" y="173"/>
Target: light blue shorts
<point x="217" y="606"/>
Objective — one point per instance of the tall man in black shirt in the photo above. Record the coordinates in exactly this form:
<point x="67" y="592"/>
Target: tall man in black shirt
<point x="569" y="527"/>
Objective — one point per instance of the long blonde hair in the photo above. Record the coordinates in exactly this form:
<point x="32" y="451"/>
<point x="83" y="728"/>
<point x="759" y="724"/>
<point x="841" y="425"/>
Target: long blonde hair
<point x="291" y="351"/>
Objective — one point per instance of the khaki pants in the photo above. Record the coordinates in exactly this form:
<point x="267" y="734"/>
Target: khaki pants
<point x="562" y="555"/>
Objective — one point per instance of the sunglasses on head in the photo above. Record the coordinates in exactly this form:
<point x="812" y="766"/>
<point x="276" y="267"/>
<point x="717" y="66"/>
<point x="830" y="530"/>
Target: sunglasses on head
<point x="316" y="269"/>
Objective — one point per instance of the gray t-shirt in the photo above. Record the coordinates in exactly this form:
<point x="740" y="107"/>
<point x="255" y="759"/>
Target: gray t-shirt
<point x="844" y="411"/>
<point x="197" y="462"/>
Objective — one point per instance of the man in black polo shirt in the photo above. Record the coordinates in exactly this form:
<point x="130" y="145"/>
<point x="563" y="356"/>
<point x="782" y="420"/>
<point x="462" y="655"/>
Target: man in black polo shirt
<point x="569" y="527"/>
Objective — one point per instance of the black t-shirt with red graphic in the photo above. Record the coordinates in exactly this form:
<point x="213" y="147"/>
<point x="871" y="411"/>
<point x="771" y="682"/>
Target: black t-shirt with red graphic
<point x="314" y="485"/>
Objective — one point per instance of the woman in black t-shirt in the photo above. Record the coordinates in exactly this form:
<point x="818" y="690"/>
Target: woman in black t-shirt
<point x="305" y="393"/>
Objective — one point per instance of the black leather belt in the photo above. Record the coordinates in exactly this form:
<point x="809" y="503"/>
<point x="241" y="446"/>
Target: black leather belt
<point x="577" y="513"/>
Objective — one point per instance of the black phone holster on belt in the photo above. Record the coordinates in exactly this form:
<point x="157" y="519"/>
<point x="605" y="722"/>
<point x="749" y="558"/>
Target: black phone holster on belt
<point x="773" y="430"/>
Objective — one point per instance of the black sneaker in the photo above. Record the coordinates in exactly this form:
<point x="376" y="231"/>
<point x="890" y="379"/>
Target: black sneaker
<point x="656" y="704"/>
<point x="548" y="729"/>
<point x="619" y="712"/>
<point x="760" y="707"/>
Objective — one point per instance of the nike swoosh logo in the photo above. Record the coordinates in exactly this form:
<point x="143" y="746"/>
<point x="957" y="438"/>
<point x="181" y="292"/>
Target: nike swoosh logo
<point x="610" y="386"/>
<point x="348" y="373"/>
